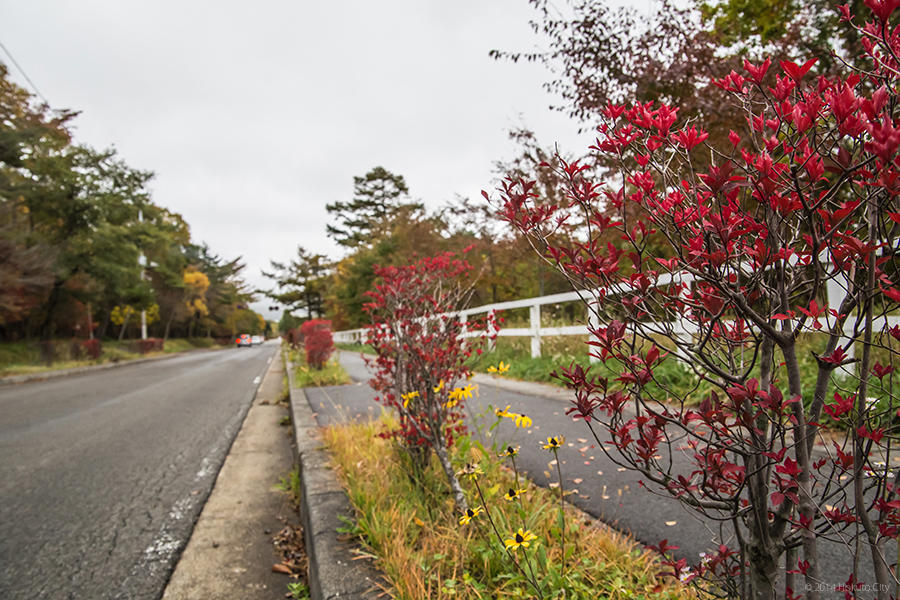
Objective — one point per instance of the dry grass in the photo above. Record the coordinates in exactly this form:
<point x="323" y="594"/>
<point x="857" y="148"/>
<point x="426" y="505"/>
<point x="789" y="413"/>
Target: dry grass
<point x="418" y="544"/>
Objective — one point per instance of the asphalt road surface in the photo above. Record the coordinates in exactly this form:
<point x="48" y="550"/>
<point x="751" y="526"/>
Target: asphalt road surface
<point x="103" y="475"/>
<point x="604" y="490"/>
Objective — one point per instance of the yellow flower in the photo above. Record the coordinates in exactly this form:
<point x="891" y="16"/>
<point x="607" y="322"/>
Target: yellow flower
<point x="471" y="513"/>
<point x="512" y="494"/>
<point x="407" y="397"/>
<point x="522" y="538"/>
<point x="492" y="369"/>
<point x="520" y="420"/>
<point x="523" y="421"/>
<point x="502" y="367"/>
<point x="437" y="389"/>
<point x="554" y="443"/>
<point x="472" y="470"/>
<point x="510" y="451"/>
<point x="459" y="393"/>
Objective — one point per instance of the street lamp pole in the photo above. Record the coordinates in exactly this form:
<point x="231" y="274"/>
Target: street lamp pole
<point x="142" y="260"/>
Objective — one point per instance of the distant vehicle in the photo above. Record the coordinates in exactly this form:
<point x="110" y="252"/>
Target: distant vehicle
<point x="257" y="339"/>
<point x="243" y="340"/>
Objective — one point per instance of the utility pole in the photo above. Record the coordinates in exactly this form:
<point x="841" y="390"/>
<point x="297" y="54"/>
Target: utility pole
<point x="142" y="260"/>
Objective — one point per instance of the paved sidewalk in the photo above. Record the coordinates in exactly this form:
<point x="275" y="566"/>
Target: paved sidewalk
<point x="230" y="553"/>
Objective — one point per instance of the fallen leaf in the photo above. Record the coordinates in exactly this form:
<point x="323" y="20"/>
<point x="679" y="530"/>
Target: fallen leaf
<point x="281" y="568"/>
<point x="582" y="441"/>
<point x="621" y="469"/>
<point x="583" y="449"/>
<point x="599" y="472"/>
<point x="577" y="480"/>
<point x="671" y="523"/>
<point x="553" y="485"/>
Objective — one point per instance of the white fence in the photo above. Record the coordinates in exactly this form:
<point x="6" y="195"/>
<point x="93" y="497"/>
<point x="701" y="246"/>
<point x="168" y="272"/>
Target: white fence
<point x="535" y="332"/>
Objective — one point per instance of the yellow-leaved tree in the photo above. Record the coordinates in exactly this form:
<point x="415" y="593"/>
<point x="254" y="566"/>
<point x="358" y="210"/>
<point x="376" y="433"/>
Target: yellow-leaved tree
<point x="196" y="283"/>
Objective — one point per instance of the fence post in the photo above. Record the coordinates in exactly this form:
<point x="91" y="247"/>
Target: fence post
<point x="492" y="341"/>
<point x="534" y="314"/>
<point x="593" y="323"/>
<point x="836" y="295"/>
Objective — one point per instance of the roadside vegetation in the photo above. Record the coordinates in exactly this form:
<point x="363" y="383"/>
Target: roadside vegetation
<point x="412" y="528"/>
<point x="332" y="373"/>
<point x="25" y="357"/>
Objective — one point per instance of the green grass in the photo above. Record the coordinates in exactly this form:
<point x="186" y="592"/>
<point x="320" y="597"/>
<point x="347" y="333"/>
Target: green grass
<point x="411" y="528"/>
<point x="305" y="376"/>
<point x="364" y="348"/>
<point x="23" y="358"/>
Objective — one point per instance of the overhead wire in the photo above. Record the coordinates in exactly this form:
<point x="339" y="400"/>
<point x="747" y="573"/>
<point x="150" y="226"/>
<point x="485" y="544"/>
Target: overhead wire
<point x="24" y="74"/>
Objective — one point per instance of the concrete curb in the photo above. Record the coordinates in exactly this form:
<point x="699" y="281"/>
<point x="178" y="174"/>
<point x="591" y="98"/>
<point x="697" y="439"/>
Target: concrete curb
<point x="335" y="571"/>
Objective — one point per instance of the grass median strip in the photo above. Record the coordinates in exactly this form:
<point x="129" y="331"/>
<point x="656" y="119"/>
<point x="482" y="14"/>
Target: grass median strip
<point x="427" y="551"/>
<point x="306" y="376"/>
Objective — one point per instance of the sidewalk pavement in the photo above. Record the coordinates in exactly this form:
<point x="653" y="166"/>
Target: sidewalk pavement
<point x="231" y="552"/>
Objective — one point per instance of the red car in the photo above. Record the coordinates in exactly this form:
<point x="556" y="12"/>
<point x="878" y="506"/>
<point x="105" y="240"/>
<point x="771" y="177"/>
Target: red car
<point x="243" y="340"/>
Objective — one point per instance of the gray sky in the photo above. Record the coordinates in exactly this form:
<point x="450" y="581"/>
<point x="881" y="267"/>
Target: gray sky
<point x="254" y="115"/>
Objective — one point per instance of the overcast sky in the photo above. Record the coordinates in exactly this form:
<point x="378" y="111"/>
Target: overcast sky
<point x="254" y="115"/>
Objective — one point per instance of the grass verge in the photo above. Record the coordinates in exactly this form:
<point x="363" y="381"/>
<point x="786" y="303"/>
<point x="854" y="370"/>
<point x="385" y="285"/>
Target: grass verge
<point x="424" y="552"/>
<point x="24" y="358"/>
<point x="305" y="376"/>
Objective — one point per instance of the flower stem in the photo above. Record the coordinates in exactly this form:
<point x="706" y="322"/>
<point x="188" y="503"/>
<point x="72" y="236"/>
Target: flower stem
<point x="562" y="513"/>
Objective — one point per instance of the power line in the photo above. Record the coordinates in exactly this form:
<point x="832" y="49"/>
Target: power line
<point x="24" y="74"/>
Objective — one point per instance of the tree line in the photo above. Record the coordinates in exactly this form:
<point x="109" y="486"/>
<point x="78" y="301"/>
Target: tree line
<point x="382" y="225"/>
<point x="84" y="249"/>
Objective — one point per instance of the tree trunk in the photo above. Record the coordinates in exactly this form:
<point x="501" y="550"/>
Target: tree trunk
<point x="763" y="570"/>
<point x="459" y="497"/>
<point x="168" y="325"/>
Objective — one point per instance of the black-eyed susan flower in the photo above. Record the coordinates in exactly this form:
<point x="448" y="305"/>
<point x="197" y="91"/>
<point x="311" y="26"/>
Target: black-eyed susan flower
<point x="437" y="389"/>
<point x="554" y="442"/>
<point x="499" y="369"/>
<point x="470" y="514"/>
<point x="407" y="397"/>
<point x="502" y="412"/>
<point x="523" y="421"/>
<point x="522" y="538"/>
<point x="510" y="451"/>
<point x="471" y="470"/>
<point x="512" y="494"/>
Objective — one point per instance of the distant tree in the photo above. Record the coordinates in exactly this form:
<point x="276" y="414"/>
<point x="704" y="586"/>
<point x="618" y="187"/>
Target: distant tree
<point x="379" y="196"/>
<point x="300" y="282"/>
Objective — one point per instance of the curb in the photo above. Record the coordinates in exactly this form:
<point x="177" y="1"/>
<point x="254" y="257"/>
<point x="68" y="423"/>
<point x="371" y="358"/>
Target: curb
<point x="335" y="570"/>
<point x="17" y="379"/>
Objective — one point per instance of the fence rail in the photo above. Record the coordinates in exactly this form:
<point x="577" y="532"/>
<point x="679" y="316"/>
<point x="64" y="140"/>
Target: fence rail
<point x="535" y="332"/>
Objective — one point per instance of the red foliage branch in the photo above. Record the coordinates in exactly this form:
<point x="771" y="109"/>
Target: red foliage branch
<point x="723" y="267"/>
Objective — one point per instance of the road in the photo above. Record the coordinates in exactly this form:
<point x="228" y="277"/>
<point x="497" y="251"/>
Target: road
<point x="103" y="475"/>
<point x="604" y="490"/>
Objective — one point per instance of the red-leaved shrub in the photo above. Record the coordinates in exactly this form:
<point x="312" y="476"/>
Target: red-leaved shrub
<point x="728" y="257"/>
<point x="93" y="348"/>
<point x="317" y="342"/>
<point x="149" y="345"/>
<point x="421" y="345"/>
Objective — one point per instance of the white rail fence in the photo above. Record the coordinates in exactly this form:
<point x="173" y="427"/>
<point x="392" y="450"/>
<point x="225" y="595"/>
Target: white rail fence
<point x="535" y="332"/>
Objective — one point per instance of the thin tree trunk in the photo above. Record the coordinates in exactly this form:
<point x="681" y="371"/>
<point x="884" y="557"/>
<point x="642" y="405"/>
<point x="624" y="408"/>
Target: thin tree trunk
<point x="459" y="497"/>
